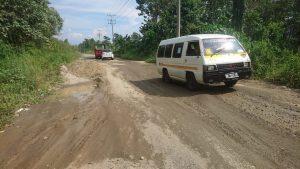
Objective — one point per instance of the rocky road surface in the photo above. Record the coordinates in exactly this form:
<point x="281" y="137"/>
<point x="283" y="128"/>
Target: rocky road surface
<point x="119" y="115"/>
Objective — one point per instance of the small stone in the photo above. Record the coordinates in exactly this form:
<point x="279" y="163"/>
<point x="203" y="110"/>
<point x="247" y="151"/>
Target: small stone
<point x="17" y="114"/>
<point x="2" y="131"/>
<point x="142" y="158"/>
<point x="20" y="110"/>
<point x="131" y="157"/>
<point x="75" y="117"/>
<point x="297" y="132"/>
<point x="45" y="138"/>
<point x="90" y="163"/>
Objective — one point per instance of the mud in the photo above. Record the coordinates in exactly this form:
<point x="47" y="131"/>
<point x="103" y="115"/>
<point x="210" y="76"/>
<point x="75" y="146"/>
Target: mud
<point x="119" y="114"/>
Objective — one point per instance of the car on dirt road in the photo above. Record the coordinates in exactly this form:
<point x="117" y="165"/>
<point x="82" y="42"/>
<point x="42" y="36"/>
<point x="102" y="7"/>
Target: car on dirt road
<point x="107" y="54"/>
<point x="98" y="53"/>
<point x="204" y="59"/>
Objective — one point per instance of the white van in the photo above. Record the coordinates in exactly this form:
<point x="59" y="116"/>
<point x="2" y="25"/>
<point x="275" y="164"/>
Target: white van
<point x="204" y="59"/>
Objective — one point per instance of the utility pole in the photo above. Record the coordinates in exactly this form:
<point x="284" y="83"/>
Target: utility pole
<point x="99" y="35"/>
<point x="179" y="18"/>
<point x="112" y="22"/>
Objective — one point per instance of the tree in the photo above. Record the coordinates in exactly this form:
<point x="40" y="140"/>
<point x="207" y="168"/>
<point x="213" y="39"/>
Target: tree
<point x="66" y="41"/>
<point x="28" y="21"/>
<point x="238" y="9"/>
<point x="87" y="45"/>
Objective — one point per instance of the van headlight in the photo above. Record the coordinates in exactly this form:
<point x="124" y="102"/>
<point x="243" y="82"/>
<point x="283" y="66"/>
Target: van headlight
<point x="247" y="64"/>
<point x="210" y="68"/>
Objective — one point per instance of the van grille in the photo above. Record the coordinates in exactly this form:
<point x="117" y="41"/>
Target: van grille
<point x="231" y="66"/>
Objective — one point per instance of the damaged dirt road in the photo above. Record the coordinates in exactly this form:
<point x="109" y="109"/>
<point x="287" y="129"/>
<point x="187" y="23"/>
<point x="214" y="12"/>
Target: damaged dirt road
<point x="120" y="115"/>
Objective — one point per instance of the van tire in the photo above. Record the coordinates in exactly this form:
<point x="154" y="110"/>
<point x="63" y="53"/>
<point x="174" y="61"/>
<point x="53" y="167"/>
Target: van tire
<point x="165" y="76"/>
<point x="230" y="83"/>
<point x="191" y="82"/>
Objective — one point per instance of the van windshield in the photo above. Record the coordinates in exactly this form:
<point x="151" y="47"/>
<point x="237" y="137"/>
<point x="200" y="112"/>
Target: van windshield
<point x="221" y="46"/>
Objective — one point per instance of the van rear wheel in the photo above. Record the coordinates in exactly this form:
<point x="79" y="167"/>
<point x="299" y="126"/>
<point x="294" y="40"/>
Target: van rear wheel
<point x="230" y="83"/>
<point x="165" y="77"/>
<point x="191" y="82"/>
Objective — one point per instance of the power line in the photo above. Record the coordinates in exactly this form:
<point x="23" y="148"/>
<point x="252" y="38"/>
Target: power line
<point x="129" y="12"/>
<point x="122" y="7"/>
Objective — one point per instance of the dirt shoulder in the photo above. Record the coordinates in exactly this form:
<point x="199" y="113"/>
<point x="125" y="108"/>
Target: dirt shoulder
<point x="119" y="114"/>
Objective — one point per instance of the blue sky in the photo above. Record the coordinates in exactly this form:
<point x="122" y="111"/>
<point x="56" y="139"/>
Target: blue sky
<point x="84" y="18"/>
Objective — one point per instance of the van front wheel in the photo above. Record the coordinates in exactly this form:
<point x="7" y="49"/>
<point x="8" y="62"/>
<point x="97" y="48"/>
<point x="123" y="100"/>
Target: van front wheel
<point x="165" y="77"/>
<point x="230" y="83"/>
<point x="191" y="82"/>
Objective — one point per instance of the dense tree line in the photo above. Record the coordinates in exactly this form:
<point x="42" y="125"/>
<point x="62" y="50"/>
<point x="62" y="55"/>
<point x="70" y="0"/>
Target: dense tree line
<point x="269" y="28"/>
<point x="23" y="21"/>
<point x="277" y="21"/>
<point x="88" y="45"/>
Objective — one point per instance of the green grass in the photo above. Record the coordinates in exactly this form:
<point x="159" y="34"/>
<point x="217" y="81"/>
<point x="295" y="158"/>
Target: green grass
<point x="276" y="65"/>
<point x="26" y="74"/>
<point x="133" y="55"/>
<point x="151" y="59"/>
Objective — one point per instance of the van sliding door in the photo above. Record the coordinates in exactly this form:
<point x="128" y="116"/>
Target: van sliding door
<point x="177" y="61"/>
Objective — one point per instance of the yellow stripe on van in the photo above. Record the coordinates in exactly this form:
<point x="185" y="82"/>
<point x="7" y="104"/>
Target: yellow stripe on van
<point x="179" y="67"/>
<point x="224" y="55"/>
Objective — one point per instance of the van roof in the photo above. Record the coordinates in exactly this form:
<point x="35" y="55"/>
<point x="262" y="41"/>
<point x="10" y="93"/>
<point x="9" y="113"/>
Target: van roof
<point x="196" y="36"/>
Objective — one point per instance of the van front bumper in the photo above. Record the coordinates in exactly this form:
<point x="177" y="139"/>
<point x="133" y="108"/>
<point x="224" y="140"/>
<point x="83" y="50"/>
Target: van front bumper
<point x="220" y="76"/>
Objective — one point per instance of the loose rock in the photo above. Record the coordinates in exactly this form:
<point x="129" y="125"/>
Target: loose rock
<point x="131" y="157"/>
<point x="297" y="132"/>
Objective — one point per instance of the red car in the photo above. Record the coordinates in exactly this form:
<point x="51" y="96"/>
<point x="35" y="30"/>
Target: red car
<point x="98" y="53"/>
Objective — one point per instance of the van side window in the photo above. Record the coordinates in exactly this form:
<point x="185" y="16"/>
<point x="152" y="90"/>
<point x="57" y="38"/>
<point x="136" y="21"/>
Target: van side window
<point x="177" y="50"/>
<point x="161" y="52"/>
<point x="168" y="52"/>
<point x="193" y="49"/>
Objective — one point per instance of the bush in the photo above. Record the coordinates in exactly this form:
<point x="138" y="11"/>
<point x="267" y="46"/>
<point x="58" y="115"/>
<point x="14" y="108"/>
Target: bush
<point x="27" y="73"/>
<point x="271" y="63"/>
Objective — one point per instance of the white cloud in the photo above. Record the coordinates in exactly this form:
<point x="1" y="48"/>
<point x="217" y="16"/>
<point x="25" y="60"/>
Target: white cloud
<point x="83" y="18"/>
<point x="75" y="35"/>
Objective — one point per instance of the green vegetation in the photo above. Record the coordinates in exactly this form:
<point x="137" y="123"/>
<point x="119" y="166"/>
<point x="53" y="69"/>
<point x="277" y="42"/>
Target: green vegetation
<point x="88" y="45"/>
<point x="269" y="29"/>
<point x="28" y="21"/>
<point x="30" y="58"/>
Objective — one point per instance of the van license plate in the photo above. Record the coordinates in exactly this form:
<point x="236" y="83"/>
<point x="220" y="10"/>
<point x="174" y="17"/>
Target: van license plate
<point x="231" y="75"/>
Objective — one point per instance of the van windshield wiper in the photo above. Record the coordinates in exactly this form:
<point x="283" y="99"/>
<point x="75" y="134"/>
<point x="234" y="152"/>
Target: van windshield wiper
<point x="217" y="51"/>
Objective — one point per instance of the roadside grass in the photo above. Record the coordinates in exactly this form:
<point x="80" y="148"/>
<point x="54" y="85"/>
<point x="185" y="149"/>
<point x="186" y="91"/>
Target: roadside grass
<point x="133" y="55"/>
<point x="151" y="59"/>
<point x="276" y="65"/>
<point x="27" y="73"/>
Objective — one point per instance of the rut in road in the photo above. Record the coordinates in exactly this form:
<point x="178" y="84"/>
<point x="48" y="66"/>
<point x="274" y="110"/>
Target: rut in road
<point x="119" y="114"/>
